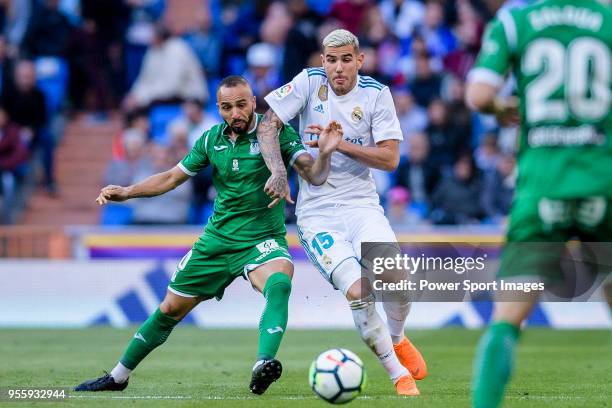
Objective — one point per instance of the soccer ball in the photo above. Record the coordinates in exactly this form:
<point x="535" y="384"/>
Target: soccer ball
<point x="337" y="376"/>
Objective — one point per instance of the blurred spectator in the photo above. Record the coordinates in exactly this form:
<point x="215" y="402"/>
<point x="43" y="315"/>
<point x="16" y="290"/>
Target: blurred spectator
<point x="459" y="114"/>
<point x="374" y="31"/>
<point x="498" y="189"/>
<point x="456" y="199"/>
<point x="407" y="64"/>
<point x="13" y="152"/>
<point x="426" y="84"/>
<point x="72" y="10"/>
<point x="195" y="120"/>
<point x="402" y="16"/>
<point x="370" y="64"/>
<point x="417" y="174"/>
<point x="170" y="73"/>
<point x="7" y="66"/>
<point x="137" y="120"/>
<point x="97" y="79"/>
<point x="301" y="39"/>
<point x="121" y="171"/>
<point x="508" y="140"/>
<point x="262" y="73"/>
<point x="242" y="21"/>
<point x="398" y="199"/>
<point x="275" y="29"/>
<point x="169" y="208"/>
<point x="26" y="107"/>
<point x="206" y="41"/>
<point x="468" y="31"/>
<point x="19" y="13"/>
<point x="25" y="103"/>
<point x="137" y="21"/>
<point x="178" y="141"/>
<point x="487" y="154"/>
<point x="48" y="33"/>
<point x="438" y="37"/>
<point x="13" y="156"/>
<point x="412" y="117"/>
<point x="350" y="13"/>
<point x="443" y="139"/>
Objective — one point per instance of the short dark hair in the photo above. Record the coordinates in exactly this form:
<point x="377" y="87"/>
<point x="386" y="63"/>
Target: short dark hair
<point x="232" y="81"/>
<point x="195" y="101"/>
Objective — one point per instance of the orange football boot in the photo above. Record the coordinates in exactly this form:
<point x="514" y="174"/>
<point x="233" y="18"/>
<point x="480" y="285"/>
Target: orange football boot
<point x="406" y="386"/>
<point x="411" y="358"/>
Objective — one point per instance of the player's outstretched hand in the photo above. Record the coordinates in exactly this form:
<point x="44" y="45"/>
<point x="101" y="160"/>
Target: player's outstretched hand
<point x="313" y="129"/>
<point x="507" y="111"/>
<point x="330" y="138"/>
<point x="277" y="188"/>
<point x="112" y="193"/>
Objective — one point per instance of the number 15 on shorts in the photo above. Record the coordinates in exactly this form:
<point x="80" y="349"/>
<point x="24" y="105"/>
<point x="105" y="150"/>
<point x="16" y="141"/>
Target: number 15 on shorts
<point x="321" y="241"/>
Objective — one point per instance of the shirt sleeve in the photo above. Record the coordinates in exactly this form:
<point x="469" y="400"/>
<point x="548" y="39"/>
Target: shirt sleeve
<point x="197" y="158"/>
<point x="289" y="100"/>
<point x="385" y="124"/>
<point x="494" y="58"/>
<point x="290" y="144"/>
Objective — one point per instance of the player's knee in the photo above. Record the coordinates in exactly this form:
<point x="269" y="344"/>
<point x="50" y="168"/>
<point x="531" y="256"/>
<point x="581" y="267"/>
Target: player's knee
<point x="512" y="312"/>
<point x="173" y="309"/>
<point x="278" y="286"/>
<point x="360" y="289"/>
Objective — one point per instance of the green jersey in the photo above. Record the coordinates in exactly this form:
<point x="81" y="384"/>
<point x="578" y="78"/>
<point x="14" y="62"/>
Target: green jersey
<point x="559" y="52"/>
<point x="241" y="214"/>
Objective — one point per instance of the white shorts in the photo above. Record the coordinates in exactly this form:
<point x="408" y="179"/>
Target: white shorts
<point x="335" y="234"/>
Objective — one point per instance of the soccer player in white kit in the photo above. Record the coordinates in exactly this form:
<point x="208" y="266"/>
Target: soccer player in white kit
<point x="335" y="218"/>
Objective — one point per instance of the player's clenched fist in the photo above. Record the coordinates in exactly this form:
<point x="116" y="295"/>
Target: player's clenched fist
<point x="112" y="193"/>
<point x="330" y="138"/>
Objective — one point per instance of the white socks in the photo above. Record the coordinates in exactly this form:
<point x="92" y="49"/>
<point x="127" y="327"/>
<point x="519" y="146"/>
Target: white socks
<point x="375" y="334"/>
<point x="397" y="312"/>
<point x="120" y="373"/>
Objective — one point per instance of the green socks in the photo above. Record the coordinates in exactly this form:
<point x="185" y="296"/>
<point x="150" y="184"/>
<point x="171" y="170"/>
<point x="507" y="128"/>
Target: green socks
<point x="156" y="329"/>
<point x="153" y="332"/>
<point x="273" y="320"/>
<point x="493" y="364"/>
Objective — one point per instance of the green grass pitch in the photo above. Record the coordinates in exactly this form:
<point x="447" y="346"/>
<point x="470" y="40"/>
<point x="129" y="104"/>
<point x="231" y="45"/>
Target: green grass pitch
<point x="211" y="367"/>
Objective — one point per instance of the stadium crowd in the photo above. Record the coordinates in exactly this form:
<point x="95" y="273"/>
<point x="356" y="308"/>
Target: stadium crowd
<point x="62" y="56"/>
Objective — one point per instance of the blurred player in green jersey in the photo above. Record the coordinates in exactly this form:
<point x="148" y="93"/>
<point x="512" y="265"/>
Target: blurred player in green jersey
<point x="559" y="53"/>
<point x="245" y="236"/>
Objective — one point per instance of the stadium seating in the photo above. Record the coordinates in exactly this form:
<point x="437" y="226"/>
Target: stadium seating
<point x="160" y="117"/>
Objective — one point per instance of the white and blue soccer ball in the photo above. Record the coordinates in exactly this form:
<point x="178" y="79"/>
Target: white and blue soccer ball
<point x="337" y="376"/>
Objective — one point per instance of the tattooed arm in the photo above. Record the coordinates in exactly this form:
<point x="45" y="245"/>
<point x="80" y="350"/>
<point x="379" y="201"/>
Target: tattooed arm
<point x="277" y="186"/>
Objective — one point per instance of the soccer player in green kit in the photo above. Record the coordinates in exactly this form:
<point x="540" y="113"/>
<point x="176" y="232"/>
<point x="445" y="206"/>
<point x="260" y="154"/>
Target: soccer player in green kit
<point x="559" y="52"/>
<point x="245" y="236"/>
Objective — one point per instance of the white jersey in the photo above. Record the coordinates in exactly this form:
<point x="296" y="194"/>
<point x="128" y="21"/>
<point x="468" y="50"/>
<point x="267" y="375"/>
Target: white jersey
<point x="367" y="115"/>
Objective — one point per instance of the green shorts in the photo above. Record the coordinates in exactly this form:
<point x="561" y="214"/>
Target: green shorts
<point x="212" y="265"/>
<point x="539" y="229"/>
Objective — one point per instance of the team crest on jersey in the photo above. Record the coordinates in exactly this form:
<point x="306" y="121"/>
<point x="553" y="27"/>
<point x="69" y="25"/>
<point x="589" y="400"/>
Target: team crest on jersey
<point x="490" y="47"/>
<point x="322" y="93"/>
<point x="327" y="261"/>
<point x="254" y="148"/>
<point x="283" y="91"/>
<point x="357" y="114"/>
<point x="235" y="165"/>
